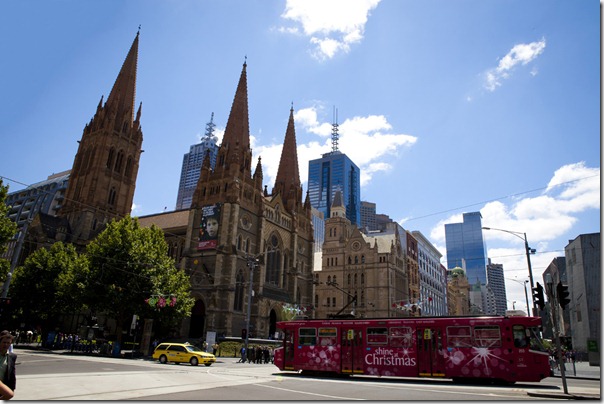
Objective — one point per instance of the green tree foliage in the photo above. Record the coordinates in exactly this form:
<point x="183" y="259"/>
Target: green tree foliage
<point x="128" y="266"/>
<point x="51" y="282"/>
<point x="7" y="229"/>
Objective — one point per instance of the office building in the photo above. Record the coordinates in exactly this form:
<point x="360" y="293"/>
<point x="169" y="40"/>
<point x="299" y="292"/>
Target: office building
<point x="191" y="165"/>
<point x="368" y="219"/>
<point x="496" y="283"/>
<point x="335" y="171"/>
<point x="466" y="248"/>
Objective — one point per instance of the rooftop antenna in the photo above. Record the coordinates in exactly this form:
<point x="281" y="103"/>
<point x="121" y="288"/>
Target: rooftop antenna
<point x="210" y="127"/>
<point x="334" y="131"/>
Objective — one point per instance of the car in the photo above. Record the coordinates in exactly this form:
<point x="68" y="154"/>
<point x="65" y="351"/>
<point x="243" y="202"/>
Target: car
<point x="181" y="353"/>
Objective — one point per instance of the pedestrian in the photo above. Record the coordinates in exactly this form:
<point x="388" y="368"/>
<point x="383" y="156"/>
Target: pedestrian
<point x="242" y="350"/>
<point x="214" y="348"/>
<point x="7" y="361"/>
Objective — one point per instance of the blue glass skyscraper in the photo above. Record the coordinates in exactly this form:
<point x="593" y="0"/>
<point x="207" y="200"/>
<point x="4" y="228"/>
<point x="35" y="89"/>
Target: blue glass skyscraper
<point x="466" y="248"/>
<point x="329" y="173"/>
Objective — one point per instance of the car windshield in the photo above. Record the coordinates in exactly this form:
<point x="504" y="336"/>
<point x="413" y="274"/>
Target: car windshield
<point x="193" y="348"/>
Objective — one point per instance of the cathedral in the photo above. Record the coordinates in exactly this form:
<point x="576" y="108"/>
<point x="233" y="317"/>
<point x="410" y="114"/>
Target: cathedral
<point x="247" y="250"/>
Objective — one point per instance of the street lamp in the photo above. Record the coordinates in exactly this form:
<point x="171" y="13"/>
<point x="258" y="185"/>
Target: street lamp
<point x="252" y="263"/>
<point x="528" y="311"/>
<point x="529" y="251"/>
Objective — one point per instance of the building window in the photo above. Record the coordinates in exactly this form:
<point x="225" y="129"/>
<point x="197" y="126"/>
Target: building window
<point x="110" y="158"/>
<point x="112" y="196"/>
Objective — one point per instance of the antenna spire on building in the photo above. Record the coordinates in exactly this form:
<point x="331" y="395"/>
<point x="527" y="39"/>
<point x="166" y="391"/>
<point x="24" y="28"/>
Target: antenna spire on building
<point x="210" y="127"/>
<point x="334" y="131"/>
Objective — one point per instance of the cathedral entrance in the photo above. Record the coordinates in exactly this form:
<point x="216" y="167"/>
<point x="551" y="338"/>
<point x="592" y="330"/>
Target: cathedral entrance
<point x="272" y="327"/>
<point x="198" y="320"/>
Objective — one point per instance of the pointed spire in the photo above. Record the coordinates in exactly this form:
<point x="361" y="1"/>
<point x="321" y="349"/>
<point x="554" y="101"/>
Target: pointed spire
<point x="258" y="174"/>
<point x="237" y="129"/>
<point x="288" y="177"/>
<point x="123" y="93"/>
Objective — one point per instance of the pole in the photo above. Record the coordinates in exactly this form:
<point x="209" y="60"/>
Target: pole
<point x="252" y="264"/>
<point x="526" y="296"/>
<point x="554" y="310"/>
<point x="530" y="270"/>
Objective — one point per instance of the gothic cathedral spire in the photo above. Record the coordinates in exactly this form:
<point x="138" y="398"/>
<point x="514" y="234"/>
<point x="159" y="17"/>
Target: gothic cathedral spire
<point x="103" y="176"/>
<point x="288" y="178"/>
<point x="237" y="132"/>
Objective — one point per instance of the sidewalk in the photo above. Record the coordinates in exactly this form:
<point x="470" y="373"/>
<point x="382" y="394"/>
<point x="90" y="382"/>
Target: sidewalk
<point x="583" y="371"/>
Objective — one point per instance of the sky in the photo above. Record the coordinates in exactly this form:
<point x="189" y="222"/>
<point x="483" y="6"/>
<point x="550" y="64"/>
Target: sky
<point x="446" y="106"/>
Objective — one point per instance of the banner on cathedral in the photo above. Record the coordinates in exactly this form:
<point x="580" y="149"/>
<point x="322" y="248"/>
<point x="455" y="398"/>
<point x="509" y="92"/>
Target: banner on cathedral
<point x="209" y="227"/>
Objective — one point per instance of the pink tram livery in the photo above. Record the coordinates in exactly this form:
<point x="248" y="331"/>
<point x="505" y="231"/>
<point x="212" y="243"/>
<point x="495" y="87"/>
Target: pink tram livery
<point x="503" y="349"/>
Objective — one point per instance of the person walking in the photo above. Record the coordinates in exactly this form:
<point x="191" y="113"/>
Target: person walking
<point x="7" y="362"/>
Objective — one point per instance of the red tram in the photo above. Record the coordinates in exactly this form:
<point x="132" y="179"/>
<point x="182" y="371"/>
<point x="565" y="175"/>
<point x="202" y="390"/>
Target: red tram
<point x="506" y="349"/>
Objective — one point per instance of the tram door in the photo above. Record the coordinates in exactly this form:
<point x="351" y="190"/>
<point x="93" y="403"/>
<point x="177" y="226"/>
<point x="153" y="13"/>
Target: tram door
<point x="431" y="362"/>
<point x="288" y="350"/>
<point x="352" y="343"/>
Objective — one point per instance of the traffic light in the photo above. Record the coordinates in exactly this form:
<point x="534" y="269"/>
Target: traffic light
<point x="243" y="333"/>
<point x="562" y="292"/>
<point x="538" y="296"/>
<point x="5" y="301"/>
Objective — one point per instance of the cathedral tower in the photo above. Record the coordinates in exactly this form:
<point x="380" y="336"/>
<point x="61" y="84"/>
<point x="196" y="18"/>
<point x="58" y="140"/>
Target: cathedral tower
<point x="103" y="176"/>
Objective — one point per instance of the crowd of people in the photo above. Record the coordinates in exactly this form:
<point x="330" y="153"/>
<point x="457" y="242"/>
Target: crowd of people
<point x="258" y="354"/>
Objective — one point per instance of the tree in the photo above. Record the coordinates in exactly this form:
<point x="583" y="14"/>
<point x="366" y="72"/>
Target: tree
<point x="8" y="229"/>
<point x="129" y="266"/>
<point x="50" y="282"/>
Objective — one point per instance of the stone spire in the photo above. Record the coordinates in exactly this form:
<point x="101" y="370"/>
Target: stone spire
<point x="237" y="131"/>
<point x="288" y="178"/>
<point x="122" y="96"/>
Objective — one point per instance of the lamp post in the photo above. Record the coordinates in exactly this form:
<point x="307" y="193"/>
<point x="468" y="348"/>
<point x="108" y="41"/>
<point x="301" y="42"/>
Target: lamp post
<point x="553" y="304"/>
<point x="528" y="311"/>
<point x="529" y="251"/>
<point x="252" y="263"/>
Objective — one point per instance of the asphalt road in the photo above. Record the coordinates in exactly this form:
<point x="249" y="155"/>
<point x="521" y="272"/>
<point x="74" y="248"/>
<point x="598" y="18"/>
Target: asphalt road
<point x="54" y="376"/>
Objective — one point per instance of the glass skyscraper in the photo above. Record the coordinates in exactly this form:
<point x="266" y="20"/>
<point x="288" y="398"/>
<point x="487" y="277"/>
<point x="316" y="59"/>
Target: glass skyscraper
<point x="466" y="248"/>
<point x="329" y="173"/>
<point x="191" y="165"/>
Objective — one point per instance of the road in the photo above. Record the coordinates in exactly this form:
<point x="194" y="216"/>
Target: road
<point x="51" y="376"/>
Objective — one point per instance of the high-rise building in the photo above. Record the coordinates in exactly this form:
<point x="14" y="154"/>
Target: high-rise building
<point x="368" y="219"/>
<point x="191" y="165"/>
<point x="466" y="248"/>
<point x="335" y="171"/>
<point x="497" y="285"/>
<point x="432" y="278"/>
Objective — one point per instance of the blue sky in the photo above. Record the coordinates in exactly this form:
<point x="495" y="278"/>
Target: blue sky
<point x="447" y="106"/>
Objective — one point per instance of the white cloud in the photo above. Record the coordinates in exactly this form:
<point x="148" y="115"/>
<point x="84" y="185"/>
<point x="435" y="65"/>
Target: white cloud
<point x="519" y="54"/>
<point x="332" y="25"/>
<point x="366" y="140"/>
<point x="574" y="188"/>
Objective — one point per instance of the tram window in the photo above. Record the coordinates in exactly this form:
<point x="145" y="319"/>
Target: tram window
<point x="307" y="336"/>
<point x="487" y="336"/>
<point x="459" y="337"/>
<point x="377" y="336"/>
<point x="400" y="337"/>
<point x="520" y="338"/>
<point x="328" y="336"/>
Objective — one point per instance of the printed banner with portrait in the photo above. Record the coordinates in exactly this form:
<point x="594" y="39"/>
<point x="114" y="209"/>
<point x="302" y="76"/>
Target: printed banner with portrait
<point x="208" y="229"/>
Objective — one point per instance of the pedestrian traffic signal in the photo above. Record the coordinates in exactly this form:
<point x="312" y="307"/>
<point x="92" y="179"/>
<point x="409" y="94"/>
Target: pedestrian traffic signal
<point x="562" y="291"/>
<point x="538" y="296"/>
<point x="4" y="301"/>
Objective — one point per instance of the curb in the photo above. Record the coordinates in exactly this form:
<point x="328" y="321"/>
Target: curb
<point x="563" y="396"/>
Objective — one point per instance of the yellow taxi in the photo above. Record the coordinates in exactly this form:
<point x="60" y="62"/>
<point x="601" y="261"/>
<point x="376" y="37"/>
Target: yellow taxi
<point x="180" y="353"/>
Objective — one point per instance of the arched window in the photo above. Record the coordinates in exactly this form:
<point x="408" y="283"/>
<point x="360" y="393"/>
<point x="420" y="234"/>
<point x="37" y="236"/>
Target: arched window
<point x="329" y="279"/>
<point x="112" y="196"/>
<point x="349" y="277"/>
<point x="362" y="259"/>
<point x="273" y="261"/>
<point x="362" y="279"/>
<point x="110" y="158"/>
<point x="239" y="286"/>
<point x="356" y="259"/>
<point x="349" y="260"/>
<point x="333" y="302"/>
<point x="119" y="161"/>
<point x="128" y="171"/>
<point x="239" y="238"/>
